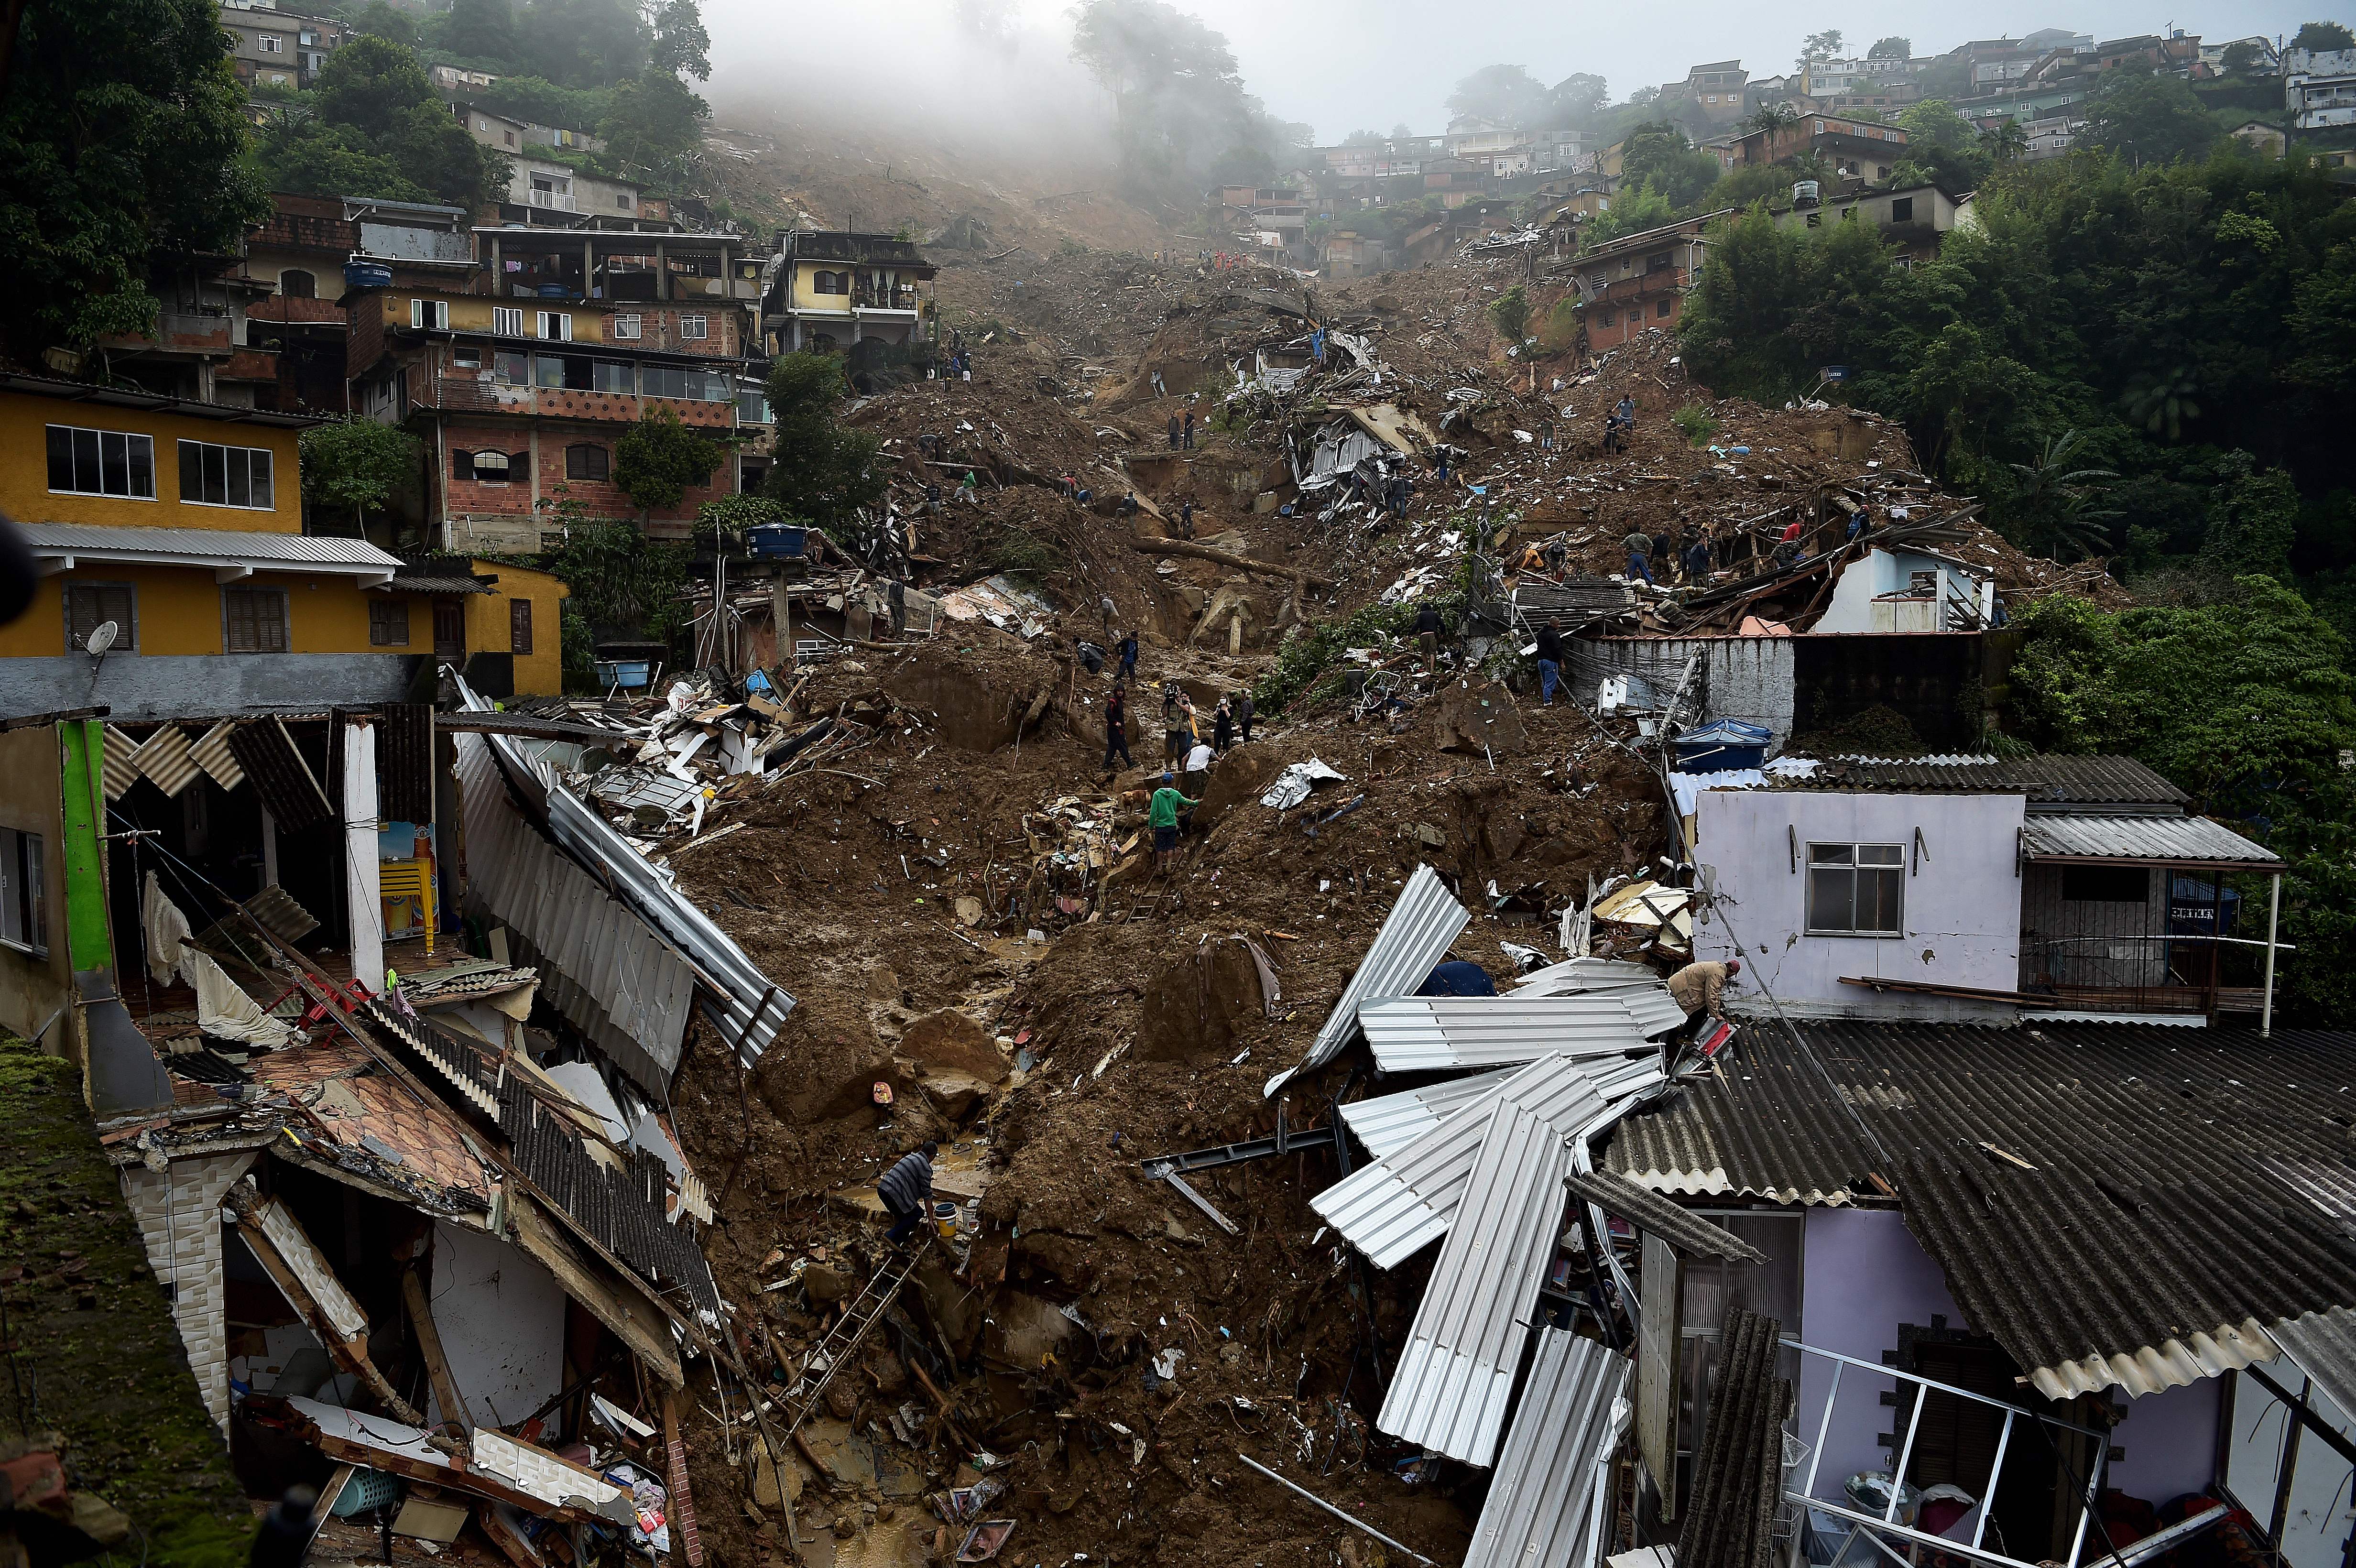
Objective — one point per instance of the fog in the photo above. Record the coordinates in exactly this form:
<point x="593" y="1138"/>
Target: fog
<point x="1338" y="65"/>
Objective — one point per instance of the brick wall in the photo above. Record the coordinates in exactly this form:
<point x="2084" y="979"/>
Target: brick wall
<point x="603" y="497"/>
<point x="178" y="1212"/>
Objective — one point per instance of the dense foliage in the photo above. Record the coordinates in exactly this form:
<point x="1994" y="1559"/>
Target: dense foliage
<point x="118" y="133"/>
<point x="1182" y="118"/>
<point x="822" y="471"/>
<point x="356" y="464"/>
<point x="374" y="126"/>
<point x="2247" y="705"/>
<point x="660" y="459"/>
<point x="2190" y="322"/>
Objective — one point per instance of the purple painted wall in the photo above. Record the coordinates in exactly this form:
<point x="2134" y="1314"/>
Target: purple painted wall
<point x="1865" y="1274"/>
<point x="2170" y="1438"/>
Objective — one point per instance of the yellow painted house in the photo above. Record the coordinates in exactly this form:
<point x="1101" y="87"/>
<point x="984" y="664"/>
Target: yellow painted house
<point x="180" y="523"/>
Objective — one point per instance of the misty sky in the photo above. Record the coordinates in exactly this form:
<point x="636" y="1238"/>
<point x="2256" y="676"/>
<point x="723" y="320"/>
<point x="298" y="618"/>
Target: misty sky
<point x="1343" y="65"/>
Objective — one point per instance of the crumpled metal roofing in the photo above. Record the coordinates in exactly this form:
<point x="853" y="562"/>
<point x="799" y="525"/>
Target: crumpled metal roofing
<point x="1455" y="1373"/>
<point x="1586" y="974"/>
<point x="2323" y="1346"/>
<point x="1414" y="937"/>
<point x="1403" y="1200"/>
<point x="1416" y="1034"/>
<point x="1388" y="1123"/>
<point x="2044" y="778"/>
<point x="2105" y="1199"/>
<point x="1658" y="1215"/>
<point x="600" y="964"/>
<point x="2108" y="837"/>
<point x="745" y="1005"/>
<point x="1537" y="1511"/>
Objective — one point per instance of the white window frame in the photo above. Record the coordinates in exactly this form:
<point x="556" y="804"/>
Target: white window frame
<point x="507" y="321"/>
<point x="429" y="314"/>
<point x="555" y="325"/>
<point x="629" y="327"/>
<point x="270" y="43"/>
<point x="133" y="442"/>
<point x="694" y="328"/>
<point x="24" y="891"/>
<point x="1855" y="864"/>
<point x="232" y="456"/>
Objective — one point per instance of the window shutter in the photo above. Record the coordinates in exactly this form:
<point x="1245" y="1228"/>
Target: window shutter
<point x="462" y="464"/>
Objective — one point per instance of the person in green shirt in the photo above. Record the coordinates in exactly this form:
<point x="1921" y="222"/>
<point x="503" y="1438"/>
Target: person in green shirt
<point x="1162" y="815"/>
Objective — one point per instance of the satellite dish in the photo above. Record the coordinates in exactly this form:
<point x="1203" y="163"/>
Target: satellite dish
<point x="101" y="637"/>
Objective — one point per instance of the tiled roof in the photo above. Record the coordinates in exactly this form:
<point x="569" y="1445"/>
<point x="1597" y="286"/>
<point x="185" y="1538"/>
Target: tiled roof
<point x="2116" y="1204"/>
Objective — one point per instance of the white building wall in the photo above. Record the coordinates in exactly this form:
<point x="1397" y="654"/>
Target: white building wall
<point x="502" y="1317"/>
<point x="178" y="1211"/>
<point x="1891" y="572"/>
<point x="1961" y="913"/>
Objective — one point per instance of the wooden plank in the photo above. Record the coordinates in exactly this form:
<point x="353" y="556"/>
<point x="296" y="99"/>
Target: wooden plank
<point x="429" y="1342"/>
<point x="349" y="1353"/>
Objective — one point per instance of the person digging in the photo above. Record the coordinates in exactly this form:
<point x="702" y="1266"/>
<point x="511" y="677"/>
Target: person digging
<point x="906" y="1191"/>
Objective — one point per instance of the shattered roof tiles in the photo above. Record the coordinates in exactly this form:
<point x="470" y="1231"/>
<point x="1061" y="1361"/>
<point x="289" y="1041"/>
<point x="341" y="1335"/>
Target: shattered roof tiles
<point x="2121" y="1205"/>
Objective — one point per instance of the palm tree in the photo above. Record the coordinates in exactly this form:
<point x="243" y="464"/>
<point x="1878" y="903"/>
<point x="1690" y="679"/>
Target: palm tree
<point x="2005" y="140"/>
<point x="1773" y="117"/>
<point x="2164" y="402"/>
<point x="2050" y="500"/>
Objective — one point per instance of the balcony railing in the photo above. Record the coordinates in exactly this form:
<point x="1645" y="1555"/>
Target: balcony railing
<point x="884" y="299"/>
<point x="553" y="200"/>
<point x="466" y="394"/>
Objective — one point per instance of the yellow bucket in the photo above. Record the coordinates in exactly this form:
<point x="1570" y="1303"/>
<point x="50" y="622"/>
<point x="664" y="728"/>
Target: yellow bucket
<point x="945" y="1221"/>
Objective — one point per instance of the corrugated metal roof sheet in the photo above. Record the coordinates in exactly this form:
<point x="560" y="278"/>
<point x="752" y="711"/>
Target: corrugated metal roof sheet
<point x="1456" y="1371"/>
<point x="1414" y="937"/>
<point x="2323" y="1346"/>
<point x="1390" y="1123"/>
<point x="1419" y="1034"/>
<point x="2073" y="781"/>
<point x="1651" y="1212"/>
<point x="166" y="762"/>
<point x="2140" y="1241"/>
<point x="746" y="1008"/>
<point x="120" y="767"/>
<point x="213" y="755"/>
<point x="601" y="965"/>
<point x="230" y="546"/>
<point x="1536" y="1515"/>
<point x="281" y="777"/>
<point x="1401" y="1202"/>
<point x="2168" y="838"/>
<point x="1586" y="974"/>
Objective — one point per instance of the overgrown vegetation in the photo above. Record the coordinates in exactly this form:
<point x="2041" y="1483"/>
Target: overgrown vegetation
<point x="1696" y="424"/>
<point x="1182" y="119"/>
<point x="822" y="469"/>
<point x="2247" y="705"/>
<point x="623" y="584"/>
<point x="358" y="466"/>
<point x="1510" y="314"/>
<point x="374" y="126"/>
<point x="1306" y="656"/>
<point x="659" y="460"/>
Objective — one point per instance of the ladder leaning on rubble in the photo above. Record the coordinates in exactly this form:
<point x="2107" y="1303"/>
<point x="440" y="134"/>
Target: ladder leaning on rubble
<point x="841" y="1343"/>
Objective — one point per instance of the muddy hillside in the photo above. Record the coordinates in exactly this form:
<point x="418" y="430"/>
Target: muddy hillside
<point x="966" y="906"/>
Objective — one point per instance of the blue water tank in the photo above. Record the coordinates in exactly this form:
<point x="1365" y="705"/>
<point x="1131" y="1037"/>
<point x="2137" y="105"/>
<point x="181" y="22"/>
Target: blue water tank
<point x="778" y="541"/>
<point x="554" y="292"/>
<point x="359" y="274"/>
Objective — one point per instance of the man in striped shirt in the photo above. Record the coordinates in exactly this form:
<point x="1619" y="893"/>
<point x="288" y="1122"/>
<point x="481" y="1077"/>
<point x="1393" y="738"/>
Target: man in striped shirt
<point x="906" y="1191"/>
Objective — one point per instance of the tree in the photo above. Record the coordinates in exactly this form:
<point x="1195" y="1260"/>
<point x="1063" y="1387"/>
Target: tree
<point x="481" y="30"/>
<point x="2004" y="140"/>
<point x="431" y="146"/>
<point x="621" y="579"/>
<point x="357" y="464"/>
<point x="1511" y="314"/>
<point x="381" y="21"/>
<point x="301" y="157"/>
<point x="1893" y="48"/>
<point x="1773" y="117"/>
<point x="820" y="470"/>
<point x="1576" y="100"/>
<point x="1178" y="102"/>
<point x="581" y="43"/>
<point x="2323" y="37"/>
<point x="2147" y="118"/>
<point x="120" y="133"/>
<point x="1630" y="212"/>
<point x="2047" y="509"/>
<point x="660" y="459"/>
<point x="368" y="82"/>
<point x="681" y="45"/>
<point x="656" y="121"/>
<point x="1501" y="94"/>
<point x="2241" y="58"/>
<point x="1400" y="133"/>
<point x="1657" y="154"/>
<point x="1365" y="139"/>
<point x="1822" y="46"/>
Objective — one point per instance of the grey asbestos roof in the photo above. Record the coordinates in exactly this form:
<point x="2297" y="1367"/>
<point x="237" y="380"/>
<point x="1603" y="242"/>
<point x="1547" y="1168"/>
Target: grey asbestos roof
<point x="2130" y="1205"/>
<point x="2045" y="779"/>
<point x="2171" y="840"/>
<point x="1656" y="1214"/>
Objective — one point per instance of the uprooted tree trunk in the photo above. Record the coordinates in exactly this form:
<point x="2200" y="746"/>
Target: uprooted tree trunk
<point x="1227" y="557"/>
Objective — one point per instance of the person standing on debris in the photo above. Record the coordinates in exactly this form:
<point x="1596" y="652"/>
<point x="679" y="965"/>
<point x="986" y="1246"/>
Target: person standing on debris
<point x="1627" y="412"/>
<point x="1105" y="604"/>
<point x="1640" y="556"/>
<point x="1545" y="435"/>
<point x="970" y="491"/>
<point x="1427" y="631"/>
<point x="1186" y="507"/>
<point x="1699" y="987"/>
<point x="906" y="1191"/>
<point x="1177" y="727"/>
<point x="1244" y="713"/>
<point x="1117" y="728"/>
<point x="1223" y="728"/>
<point x="1698" y="559"/>
<point x="1190" y="430"/>
<point x="1398" y="497"/>
<point x="1127" y="651"/>
<point x="895" y="598"/>
<point x="1162" y="815"/>
<point x="1173" y="433"/>
<point x="1549" y="660"/>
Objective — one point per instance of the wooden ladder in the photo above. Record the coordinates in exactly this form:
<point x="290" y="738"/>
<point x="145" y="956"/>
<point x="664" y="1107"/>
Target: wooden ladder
<point x="841" y="1343"/>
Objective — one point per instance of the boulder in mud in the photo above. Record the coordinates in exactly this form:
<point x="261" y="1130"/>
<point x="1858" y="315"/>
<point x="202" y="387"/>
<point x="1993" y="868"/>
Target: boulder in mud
<point x="950" y="1041"/>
